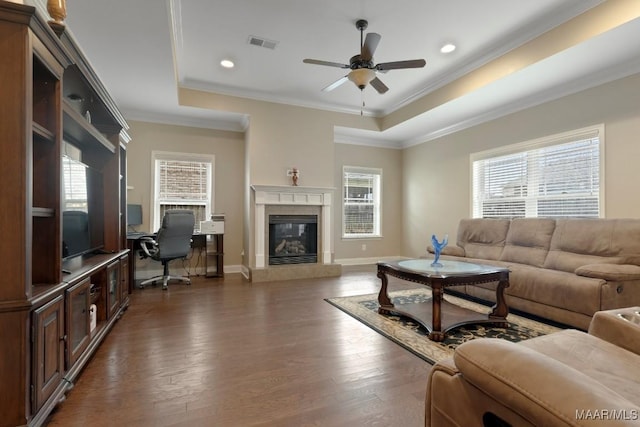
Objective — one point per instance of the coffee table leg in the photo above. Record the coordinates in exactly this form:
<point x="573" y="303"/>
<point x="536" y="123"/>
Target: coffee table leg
<point x="436" y="333"/>
<point x="383" y="296"/>
<point x="501" y="309"/>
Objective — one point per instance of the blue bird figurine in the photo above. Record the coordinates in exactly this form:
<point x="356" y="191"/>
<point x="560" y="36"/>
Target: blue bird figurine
<point x="437" y="248"/>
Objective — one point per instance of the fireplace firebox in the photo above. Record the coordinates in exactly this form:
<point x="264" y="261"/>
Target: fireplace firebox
<point x="293" y="239"/>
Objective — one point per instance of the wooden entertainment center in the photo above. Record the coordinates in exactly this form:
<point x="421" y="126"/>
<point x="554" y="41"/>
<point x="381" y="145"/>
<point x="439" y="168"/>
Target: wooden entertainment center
<point x="55" y="310"/>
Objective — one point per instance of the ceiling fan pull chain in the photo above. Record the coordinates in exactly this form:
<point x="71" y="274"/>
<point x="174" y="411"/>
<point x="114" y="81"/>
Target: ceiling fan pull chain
<point x="362" y="109"/>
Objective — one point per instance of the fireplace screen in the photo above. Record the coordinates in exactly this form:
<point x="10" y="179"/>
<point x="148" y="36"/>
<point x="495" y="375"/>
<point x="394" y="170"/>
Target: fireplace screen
<point x="293" y="239"/>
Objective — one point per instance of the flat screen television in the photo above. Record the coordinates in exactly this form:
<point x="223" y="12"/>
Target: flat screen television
<point x="81" y="224"/>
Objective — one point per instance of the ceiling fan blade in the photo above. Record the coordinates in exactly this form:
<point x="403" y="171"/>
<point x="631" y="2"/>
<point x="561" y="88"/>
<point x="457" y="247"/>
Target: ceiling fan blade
<point x="378" y="85"/>
<point x="369" y="46"/>
<point x="327" y="63"/>
<point x="413" y="63"/>
<point x="335" y="84"/>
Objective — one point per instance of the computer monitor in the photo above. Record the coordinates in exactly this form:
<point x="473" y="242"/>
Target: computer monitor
<point x="134" y="215"/>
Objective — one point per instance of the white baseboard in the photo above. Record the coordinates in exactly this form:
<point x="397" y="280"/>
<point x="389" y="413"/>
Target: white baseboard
<point x="366" y="261"/>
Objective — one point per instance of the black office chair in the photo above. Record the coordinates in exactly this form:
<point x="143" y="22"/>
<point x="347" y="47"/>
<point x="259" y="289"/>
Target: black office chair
<point x="172" y="241"/>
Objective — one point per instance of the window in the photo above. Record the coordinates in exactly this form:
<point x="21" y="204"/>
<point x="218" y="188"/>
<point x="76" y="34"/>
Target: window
<point x="74" y="178"/>
<point x="557" y="176"/>
<point x="182" y="181"/>
<point x="361" y="202"/>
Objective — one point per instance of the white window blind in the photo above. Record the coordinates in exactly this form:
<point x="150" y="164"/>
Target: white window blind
<point x="74" y="178"/>
<point x="361" y="202"/>
<point x="183" y="182"/>
<point x="559" y="176"/>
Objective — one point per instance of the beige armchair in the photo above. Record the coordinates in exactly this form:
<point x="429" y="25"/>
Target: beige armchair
<point x="569" y="378"/>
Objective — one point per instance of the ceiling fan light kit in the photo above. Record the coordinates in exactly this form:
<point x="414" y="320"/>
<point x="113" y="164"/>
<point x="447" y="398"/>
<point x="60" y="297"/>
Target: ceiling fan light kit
<point x="363" y="69"/>
<point x="362" y="77"/>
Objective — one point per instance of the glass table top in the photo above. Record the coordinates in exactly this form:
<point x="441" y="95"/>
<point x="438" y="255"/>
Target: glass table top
<point x="447" y="267"/>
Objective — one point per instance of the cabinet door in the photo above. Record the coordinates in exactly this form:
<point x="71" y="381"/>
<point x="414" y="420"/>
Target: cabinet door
<point x="48" y="349"/>
<point x="113" y="288"/>
<point x="78" y="320"/>
<point x="124" y="279"/>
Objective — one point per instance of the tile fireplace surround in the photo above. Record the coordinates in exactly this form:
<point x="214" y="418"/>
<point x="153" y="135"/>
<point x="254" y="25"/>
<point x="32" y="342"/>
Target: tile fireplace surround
<point x="292" y="200"/>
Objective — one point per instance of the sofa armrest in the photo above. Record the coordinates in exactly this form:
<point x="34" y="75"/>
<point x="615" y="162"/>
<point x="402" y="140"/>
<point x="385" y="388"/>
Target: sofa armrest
<point x="620" y="327"/>
<point x="555" y="395"/>
<point x="449" y="250"/>
<point x="610" y="272"/>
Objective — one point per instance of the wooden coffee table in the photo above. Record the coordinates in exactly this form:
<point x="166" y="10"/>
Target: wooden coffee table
<point x="441" y="316"/>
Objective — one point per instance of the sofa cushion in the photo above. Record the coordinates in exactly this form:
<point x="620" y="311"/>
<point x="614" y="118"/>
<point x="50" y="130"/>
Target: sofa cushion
<point x="577" y="293"/>
<point x="483" y="238"/>
<point x="528" y="241"/>
<point x="556" y="288"/>
<point x="578" y="242"/>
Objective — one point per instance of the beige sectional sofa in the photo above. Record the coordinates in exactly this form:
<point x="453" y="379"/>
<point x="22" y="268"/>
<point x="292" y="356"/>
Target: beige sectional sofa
<point x="564" y="270"/>
<point x="579" y="379"/>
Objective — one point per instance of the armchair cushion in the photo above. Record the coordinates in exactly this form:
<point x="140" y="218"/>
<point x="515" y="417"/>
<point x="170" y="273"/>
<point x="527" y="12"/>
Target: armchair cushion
<point x="620" y="327"/>
<point x="567" y="378"/>
<point x="539" y="387"/>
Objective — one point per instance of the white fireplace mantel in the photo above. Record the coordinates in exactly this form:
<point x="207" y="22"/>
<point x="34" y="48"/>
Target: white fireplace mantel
<point x="265" y="195"/>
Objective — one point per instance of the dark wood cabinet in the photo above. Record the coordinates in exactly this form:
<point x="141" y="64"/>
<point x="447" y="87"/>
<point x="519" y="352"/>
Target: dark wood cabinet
<point x="113" y="288"/>
<point x="44" y="300"/>
<point x="48" y="350"/>
<point x="78" y="302"/>
<point x="124" y="280"/>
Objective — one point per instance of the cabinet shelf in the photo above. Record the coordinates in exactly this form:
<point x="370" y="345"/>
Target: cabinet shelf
<point x="43" y="132"/>
<point x="42" y="212"/>
<point x="80" y="130"/>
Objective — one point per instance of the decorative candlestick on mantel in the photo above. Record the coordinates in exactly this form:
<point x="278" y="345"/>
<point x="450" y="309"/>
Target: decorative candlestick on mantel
<point x="294" y="177"/>
<point x="57" y="10"/>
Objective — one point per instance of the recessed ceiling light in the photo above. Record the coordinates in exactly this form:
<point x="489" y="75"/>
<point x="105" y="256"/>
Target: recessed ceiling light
<point x="448" y="48"/>
<point x="227" y="63"/>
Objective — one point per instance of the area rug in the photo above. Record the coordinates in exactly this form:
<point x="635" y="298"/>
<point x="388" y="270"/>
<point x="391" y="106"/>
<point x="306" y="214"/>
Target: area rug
<point x="413" y="336"/>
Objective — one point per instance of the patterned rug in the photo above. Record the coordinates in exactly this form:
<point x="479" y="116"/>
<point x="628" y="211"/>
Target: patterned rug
<point x="413" y="336"/>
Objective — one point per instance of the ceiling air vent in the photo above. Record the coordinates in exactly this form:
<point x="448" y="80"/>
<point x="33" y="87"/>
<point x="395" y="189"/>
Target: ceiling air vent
<point x="262" y="42"/>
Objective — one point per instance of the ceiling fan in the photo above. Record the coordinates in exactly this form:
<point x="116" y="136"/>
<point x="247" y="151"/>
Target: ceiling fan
<point x="363" y="69"/>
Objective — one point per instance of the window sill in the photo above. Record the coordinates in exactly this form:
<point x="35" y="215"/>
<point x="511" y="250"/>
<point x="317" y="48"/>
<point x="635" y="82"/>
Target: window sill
<point x="363" y="237"/>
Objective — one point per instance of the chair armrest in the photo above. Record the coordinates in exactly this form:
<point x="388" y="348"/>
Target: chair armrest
<point x="554" y="395"/>
<point x="620" y="327"/>
<point x="448" y="250"/>
<point x="610" y="272"/>
<point x="149" y="247"/>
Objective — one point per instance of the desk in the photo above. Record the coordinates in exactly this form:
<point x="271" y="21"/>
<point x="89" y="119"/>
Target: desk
<point x="211" y="243"/>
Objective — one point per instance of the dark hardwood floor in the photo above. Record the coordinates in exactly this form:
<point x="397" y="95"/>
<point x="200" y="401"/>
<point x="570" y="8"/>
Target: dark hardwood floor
<point x="232" y="353"/>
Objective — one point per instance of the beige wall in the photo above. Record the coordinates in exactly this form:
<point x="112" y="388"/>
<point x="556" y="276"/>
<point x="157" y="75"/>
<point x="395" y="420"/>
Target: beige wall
<point x="426" y="187"/>
<point x="390" y="161"/>
<point x="437" y="173"/>
<point x="228" y="149"/>
<point x="279" y="137"/>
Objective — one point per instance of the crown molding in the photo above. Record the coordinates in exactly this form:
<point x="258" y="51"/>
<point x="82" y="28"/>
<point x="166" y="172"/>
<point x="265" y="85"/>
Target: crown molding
<point x="239" y="125"/>
<point x="608" y="75"/>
